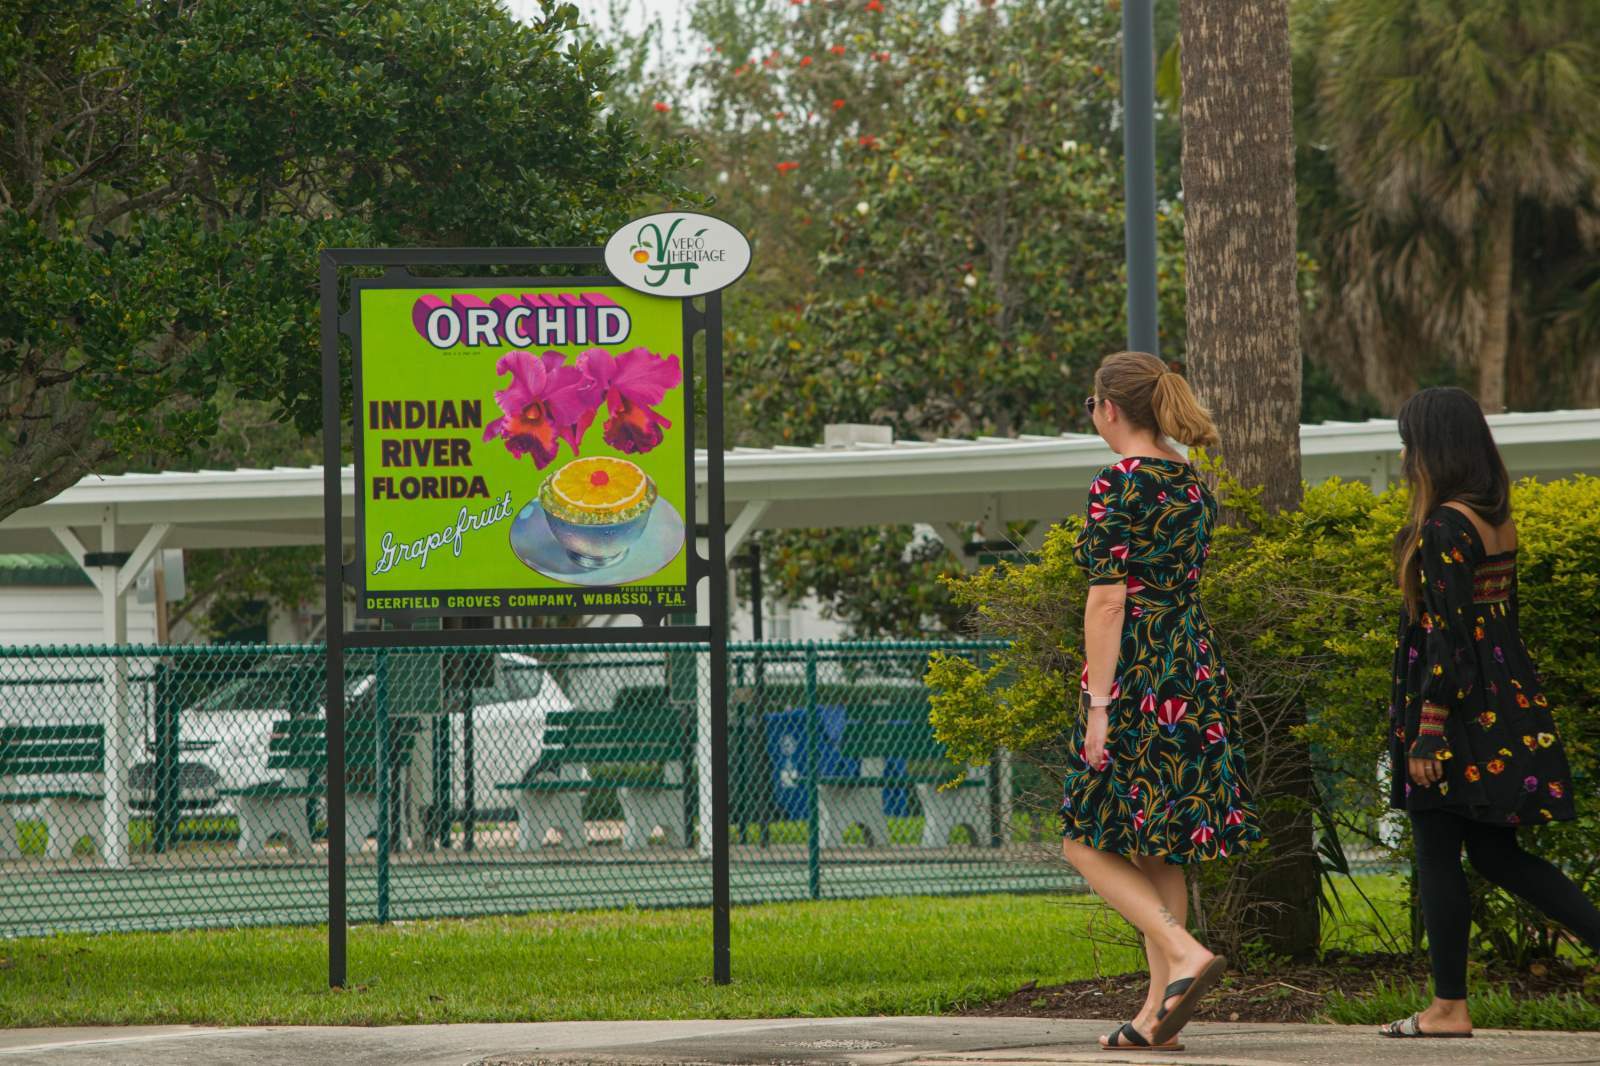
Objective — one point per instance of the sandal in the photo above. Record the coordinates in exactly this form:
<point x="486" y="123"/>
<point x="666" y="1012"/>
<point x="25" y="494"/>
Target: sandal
<point x="1408" y="1028"/>
<point x="1190" y="990"/>
<point x="1128" y="1037"/>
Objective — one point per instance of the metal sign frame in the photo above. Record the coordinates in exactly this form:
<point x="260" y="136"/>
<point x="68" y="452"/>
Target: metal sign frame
<point x="654" y="626"/>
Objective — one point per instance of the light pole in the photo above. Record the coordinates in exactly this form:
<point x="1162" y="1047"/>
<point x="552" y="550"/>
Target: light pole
<point x="1139" y="171"/>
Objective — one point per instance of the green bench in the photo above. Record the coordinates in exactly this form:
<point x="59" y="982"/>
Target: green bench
<point x="51" y="753"/>
<point x="637" y="747"/>
<point x="887" y="725"/>
<point x="298" y="750"/>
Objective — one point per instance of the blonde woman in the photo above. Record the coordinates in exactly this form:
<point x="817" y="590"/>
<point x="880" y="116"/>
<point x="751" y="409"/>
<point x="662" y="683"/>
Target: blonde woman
<point x="1156" y="778"/>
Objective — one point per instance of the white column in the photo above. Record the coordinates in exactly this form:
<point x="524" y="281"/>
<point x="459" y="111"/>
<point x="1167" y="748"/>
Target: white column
<point x="702" y="731"/>
<point x="1002" y="766"/>
<point x="1378" y="474"/>
<point x="955" y="541"/>
<point x="119" y="727"/>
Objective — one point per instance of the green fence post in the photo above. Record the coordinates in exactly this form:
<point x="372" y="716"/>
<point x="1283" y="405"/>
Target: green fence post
<point x="814" y="831"/>
<point x="380" y="702"/>
<point x="168" y="699"/>
<point x="469" y="773"/>
<point x="1000" y="801"/>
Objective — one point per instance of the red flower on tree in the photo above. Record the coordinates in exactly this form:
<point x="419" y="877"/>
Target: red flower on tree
<point x="661" y="107"/>
<point x="838" y="105"/>
<point x="805" y="61"/>
<point x="786" y="166"/>
<point x="837" y="49"/>
<point x="874" y="5"/>
<point x="867" y="140"/>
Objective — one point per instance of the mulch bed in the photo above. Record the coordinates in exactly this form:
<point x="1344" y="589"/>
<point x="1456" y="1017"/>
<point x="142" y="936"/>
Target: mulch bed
<point x="1283" y="992"/>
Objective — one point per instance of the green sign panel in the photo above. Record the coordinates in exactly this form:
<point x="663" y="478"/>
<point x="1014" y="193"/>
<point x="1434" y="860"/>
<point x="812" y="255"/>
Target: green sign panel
<point x="522" y="447"/>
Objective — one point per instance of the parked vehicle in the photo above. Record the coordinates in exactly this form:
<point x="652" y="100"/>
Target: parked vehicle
<point x="227" y="733"/>
<point x="508" y="722"/>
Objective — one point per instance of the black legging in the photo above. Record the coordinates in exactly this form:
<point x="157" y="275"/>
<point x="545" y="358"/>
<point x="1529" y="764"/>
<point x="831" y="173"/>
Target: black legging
<point x="1496" y="855"/>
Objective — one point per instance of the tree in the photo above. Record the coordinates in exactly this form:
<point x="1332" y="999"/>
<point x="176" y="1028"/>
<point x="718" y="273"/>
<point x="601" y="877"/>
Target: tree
<point x="970" y="280"/>
<point x="935" y="196"/>
<point x="170" y="171"/>
<point x="973" y="278"/>
<point x="1242" y="315"/>
<point x="1459" y="130"/>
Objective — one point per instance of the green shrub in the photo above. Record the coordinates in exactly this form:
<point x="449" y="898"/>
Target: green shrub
<point x="1305" y="611"/>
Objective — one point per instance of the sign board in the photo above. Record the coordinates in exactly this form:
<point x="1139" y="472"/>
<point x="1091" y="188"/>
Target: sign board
<point x="522" y="446"/>
<point x="678" y="253"/>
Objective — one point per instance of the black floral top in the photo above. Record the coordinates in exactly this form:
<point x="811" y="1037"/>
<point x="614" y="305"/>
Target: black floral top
<point x="1466" y="690"/>
<point x="1174" y="783"/>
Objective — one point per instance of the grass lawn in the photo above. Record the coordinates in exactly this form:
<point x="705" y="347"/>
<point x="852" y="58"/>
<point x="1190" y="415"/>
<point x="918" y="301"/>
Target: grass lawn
<point x="876" y="956"/>
<point x="883" y="956"/>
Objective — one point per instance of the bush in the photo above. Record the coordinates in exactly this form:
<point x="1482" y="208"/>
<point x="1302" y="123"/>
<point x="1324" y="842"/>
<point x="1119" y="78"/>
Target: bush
<point x="1305" y="611"/>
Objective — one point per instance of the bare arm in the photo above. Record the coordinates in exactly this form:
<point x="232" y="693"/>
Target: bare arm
<point x="1102" y="641"/>
<point x="1102" y="634"/>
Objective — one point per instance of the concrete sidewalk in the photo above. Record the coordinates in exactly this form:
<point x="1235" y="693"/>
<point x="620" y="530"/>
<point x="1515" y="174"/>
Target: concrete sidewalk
<point x="784" y="1042"/>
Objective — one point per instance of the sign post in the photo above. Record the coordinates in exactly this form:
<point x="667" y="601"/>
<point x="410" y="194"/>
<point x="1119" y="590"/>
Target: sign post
<point x="525" y="445"/>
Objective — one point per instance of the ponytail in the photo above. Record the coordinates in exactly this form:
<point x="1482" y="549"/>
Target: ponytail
<point x="1179" y="415"/>
<point x="1155" y="398"/>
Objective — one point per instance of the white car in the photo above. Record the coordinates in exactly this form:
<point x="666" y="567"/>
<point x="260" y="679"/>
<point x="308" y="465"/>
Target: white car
<point x="508" y="722"/>
<point x="228" y="732"/>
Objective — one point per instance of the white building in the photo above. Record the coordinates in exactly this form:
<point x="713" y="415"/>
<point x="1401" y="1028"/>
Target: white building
<point x="860" y="479"/>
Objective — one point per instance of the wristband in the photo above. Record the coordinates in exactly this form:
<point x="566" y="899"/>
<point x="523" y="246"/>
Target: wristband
<point x="1432" y="720"/>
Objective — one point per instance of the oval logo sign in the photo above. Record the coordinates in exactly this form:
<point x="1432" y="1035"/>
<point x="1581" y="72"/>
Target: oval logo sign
<point x="677" y="253"/>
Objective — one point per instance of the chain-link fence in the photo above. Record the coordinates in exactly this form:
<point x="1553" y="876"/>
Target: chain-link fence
<point x="145" y="788"/>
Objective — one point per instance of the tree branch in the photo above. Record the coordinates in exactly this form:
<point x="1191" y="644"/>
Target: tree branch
<point x="65" y="451"/>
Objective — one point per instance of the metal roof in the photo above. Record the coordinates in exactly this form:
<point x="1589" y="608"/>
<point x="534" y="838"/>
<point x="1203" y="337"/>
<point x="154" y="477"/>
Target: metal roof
<point x="42" y="569"/>
<point x="859" y="484"/>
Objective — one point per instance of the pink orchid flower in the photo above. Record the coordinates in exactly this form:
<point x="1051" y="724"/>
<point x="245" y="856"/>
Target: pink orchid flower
<point x="632" y="383"/>
<point x="546" y="403"/>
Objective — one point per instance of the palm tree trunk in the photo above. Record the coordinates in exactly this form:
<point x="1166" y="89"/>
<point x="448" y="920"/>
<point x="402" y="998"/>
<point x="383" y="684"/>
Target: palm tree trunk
<point x="1239" y="236"/>
<point x="1244" y="356"/>
<point x="1497" y="301"/>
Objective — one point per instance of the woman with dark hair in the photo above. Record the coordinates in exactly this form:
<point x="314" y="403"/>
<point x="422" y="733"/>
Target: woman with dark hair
<point x="1155" y="778"/>
<point x="1472" y="743"/>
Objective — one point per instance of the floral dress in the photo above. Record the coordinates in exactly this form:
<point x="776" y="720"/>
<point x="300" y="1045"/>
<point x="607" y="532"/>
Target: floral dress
<point x="1174" y="784"/>
<point x="1466" y="691"/>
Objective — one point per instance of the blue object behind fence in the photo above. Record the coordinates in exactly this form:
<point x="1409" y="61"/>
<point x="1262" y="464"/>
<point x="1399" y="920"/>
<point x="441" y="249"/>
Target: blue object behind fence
<point x="786" y="750"/>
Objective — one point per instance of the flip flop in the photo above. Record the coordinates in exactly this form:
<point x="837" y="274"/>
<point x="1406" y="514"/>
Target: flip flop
<point x="1128" y="1037"/>
<point x="1190" y="990"/>
<point x="1411" y="1028"/>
